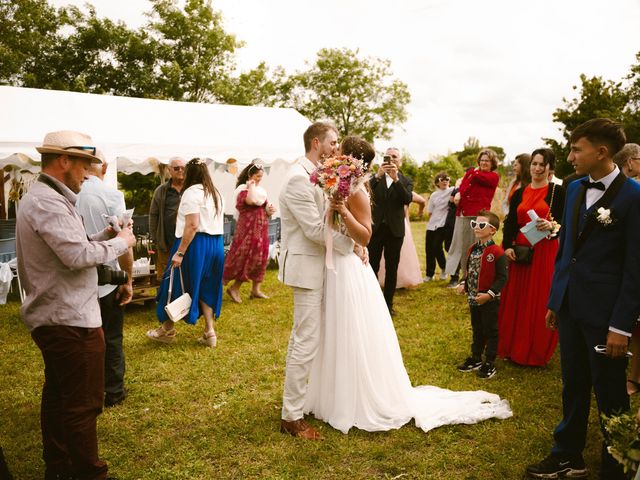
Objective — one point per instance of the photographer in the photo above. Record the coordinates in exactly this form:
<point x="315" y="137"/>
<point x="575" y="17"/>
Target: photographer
<point x="57" y="268"/>
<point x="390" y="192"/>
<point x="95" y="200"/>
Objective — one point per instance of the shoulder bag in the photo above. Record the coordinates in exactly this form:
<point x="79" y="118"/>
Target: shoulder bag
<point x="179" y="308"/>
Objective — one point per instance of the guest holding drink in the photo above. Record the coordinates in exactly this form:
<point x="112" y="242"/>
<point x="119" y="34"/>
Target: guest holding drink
<point x="249" y="251"/>
<point x="199" y="249"/>
<point x="524" y="337"/>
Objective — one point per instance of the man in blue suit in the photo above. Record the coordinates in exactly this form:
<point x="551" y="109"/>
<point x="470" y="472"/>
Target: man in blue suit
<point x="595" y="295"/>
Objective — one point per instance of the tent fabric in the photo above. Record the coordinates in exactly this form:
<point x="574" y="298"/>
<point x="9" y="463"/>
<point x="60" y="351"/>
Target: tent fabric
<point x="135" y="129"/>
<point x="138" y="133"/>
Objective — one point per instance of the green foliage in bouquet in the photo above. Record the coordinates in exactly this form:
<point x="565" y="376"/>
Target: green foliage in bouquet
<point x="624" y="441"/>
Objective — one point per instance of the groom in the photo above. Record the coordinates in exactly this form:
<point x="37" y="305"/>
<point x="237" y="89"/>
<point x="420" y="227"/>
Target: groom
<point x="302" y="264"/>
<point x="595" y="295"/>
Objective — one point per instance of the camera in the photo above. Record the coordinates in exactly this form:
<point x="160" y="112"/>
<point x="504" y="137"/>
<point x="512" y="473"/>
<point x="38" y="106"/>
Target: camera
<point x="386" y="159"/>
<point x="109" y="276"/>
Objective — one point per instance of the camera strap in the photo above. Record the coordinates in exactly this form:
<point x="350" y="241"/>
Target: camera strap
<point x="50" y="183"/>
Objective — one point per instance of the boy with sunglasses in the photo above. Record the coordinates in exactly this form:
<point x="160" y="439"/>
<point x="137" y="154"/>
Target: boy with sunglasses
<point x="486" y="275"/>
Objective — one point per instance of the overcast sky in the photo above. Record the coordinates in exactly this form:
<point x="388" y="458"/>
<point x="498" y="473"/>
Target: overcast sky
<point x="493" y="69"/>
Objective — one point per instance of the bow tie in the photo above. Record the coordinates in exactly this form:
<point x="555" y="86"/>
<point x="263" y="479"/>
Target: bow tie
<point x="597" y="185"/>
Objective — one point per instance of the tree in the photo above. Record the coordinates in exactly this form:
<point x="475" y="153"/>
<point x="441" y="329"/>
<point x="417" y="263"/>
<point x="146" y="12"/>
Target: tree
<point x="195" y="56"/>
<point x="259" y="86"/>
<point x="29" y="32"/>
<point x="358" y="95"/>
<point x="631" y="115"/>
<point x="597" y="98"/>
<point x="467" y="157"/>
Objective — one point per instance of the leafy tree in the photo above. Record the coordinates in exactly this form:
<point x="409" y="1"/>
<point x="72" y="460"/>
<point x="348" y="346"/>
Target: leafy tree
<point x="631" y="115"/>
<point x="29" y="32"/>
<point x="358" y="94"/>
<point x="195" y="55"/>
<point x="597" y="98"/>
<point x="138" y="190"/>
<point x="259" y="86"/>
<point x="468" y="155"/>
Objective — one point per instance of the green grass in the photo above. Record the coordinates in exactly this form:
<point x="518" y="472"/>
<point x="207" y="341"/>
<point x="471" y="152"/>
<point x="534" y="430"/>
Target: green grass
<point x="195" y="413"/>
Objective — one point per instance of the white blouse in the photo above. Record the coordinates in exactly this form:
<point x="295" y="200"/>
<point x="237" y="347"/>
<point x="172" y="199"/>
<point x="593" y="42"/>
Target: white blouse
<point x="194" y="201"/>
<point x="438" y="207"/>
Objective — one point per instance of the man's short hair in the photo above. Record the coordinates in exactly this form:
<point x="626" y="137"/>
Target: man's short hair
<point x="494" y="220"/>
<point x="47" y="158"/>
<point x="316" y="130"/>
<point x="630" y="150"/>
<point x="601" y="131"/>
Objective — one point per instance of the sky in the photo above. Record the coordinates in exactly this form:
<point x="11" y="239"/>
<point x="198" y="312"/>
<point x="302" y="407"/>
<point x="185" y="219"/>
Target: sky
<point x="492" y="69"/>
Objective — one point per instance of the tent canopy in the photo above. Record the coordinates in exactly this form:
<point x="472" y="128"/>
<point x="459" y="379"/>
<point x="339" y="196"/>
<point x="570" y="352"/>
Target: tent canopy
<point x="132" y="130"/>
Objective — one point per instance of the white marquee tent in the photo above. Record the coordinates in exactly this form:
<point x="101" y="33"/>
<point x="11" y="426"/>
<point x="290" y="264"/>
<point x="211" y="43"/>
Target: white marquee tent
<point x="135" y="130"/>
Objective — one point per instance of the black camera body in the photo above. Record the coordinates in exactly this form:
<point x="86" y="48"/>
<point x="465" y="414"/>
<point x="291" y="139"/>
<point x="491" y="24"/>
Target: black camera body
<point x="386" y="159"/>
<point x="109" y="276"/>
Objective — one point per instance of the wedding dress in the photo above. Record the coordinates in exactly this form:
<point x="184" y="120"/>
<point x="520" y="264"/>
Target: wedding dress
<point x="358" y="378"/>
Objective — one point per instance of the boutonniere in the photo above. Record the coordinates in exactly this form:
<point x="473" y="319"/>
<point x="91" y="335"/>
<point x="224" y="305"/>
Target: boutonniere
<point x="603" y="215"/>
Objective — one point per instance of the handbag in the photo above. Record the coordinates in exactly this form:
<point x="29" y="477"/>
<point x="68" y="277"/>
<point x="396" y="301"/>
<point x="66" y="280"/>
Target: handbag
<point x="523" y="253"/>
<point x="179" y="308"/>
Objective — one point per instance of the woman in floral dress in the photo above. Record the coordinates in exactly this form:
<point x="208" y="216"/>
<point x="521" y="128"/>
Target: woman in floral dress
<point x="249" y="251"/>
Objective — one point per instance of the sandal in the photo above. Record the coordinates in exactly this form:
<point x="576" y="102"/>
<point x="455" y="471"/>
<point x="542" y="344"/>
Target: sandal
<point x="161" y="335"/>
<point x="635" y="387"/>
<point x="208" y="339"/>
<point x="234" y="296"/>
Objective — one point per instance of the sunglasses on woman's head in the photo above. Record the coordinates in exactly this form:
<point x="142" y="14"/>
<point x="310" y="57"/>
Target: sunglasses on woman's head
<point x="480" y="225"/>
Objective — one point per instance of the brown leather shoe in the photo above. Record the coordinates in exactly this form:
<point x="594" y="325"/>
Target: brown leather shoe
<point x="300" y="428"/>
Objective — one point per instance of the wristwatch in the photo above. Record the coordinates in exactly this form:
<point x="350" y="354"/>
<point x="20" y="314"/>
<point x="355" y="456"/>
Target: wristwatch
<point x="180" y="254"/>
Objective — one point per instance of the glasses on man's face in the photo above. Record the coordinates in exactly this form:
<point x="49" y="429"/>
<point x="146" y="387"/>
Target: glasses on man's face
<point x="85" y="148"/>
<point x="480" y="225"/>
<point x="177" y="169"/>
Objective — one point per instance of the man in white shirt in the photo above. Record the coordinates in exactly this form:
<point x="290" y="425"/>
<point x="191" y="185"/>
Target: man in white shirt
<point x="95" y="199"/>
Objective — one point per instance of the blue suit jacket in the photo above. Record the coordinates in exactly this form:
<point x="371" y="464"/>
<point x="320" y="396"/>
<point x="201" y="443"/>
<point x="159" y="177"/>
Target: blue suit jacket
<point x="600" y="265"/>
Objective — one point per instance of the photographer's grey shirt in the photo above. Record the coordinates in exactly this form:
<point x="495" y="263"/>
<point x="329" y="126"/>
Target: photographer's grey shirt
<point x="57" y="262"/>
<point x="94" y="199"/>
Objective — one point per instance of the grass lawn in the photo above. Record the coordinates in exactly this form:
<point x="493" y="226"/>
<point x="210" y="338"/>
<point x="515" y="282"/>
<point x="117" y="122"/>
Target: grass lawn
<point x="196" y="413"/>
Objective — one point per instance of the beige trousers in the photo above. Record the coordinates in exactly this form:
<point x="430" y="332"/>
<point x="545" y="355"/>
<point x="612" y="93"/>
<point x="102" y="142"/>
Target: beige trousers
<point x="303" y="346"/>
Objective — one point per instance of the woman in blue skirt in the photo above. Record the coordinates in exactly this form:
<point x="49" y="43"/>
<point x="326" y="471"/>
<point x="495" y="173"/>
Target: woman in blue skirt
<point x="199" y="251"/>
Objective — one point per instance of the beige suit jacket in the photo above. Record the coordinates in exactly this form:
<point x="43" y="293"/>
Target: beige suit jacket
<point x="302" y="249"/>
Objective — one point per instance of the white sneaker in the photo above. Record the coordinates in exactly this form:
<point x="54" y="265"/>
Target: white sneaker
<point x="427" y="279"/>
<point x="443" y="276"/>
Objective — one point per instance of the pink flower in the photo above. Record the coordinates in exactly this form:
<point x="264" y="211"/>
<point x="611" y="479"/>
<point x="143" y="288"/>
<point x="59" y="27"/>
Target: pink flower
<point x="314" y="177"/>
<point x="344" y="170"/>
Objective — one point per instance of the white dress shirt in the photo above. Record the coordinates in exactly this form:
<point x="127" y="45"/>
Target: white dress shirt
<point x="593" y="194"/>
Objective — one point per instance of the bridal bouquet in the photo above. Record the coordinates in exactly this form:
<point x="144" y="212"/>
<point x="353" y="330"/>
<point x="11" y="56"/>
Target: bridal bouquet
<point x="624" y="441"/>
<point x="338" y="176"/>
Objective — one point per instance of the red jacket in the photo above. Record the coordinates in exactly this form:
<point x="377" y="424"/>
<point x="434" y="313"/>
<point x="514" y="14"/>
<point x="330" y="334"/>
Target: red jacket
<point x="493" y="270"/>
<point x="476" y="192"/>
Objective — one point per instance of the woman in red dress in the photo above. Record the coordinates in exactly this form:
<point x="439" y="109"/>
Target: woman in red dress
<point x="249" y="251"/>
<point x="524" y="337"/>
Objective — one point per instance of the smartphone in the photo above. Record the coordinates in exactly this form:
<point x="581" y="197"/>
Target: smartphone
<point x="386" y="159"/>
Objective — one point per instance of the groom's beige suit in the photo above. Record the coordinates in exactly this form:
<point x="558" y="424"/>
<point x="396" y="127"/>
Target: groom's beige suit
<point x="302" y="267"/>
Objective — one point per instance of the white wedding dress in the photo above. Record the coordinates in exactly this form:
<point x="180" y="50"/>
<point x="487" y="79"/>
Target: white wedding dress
<point x="358" y="378"/>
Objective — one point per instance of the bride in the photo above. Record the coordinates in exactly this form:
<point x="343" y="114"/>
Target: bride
<point x="358" y="378"/>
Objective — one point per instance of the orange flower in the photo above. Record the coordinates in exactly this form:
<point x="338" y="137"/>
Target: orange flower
<point x="331" y="181"/>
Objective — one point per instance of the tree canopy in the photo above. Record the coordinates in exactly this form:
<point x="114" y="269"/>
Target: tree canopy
<point x="184" y="53"/>
<point x="598" y="97"/>
<point x="359" y="95"/>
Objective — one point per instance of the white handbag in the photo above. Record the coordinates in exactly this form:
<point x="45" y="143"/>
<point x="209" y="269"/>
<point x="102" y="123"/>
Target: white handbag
<point x="179" y="308"/>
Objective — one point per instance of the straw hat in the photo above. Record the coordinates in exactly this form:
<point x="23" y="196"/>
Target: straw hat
<point x="67" y="142"/>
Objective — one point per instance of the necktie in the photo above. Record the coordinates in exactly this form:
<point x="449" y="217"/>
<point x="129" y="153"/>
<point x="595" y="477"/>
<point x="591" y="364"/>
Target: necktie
<point x="596" y="185"/>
